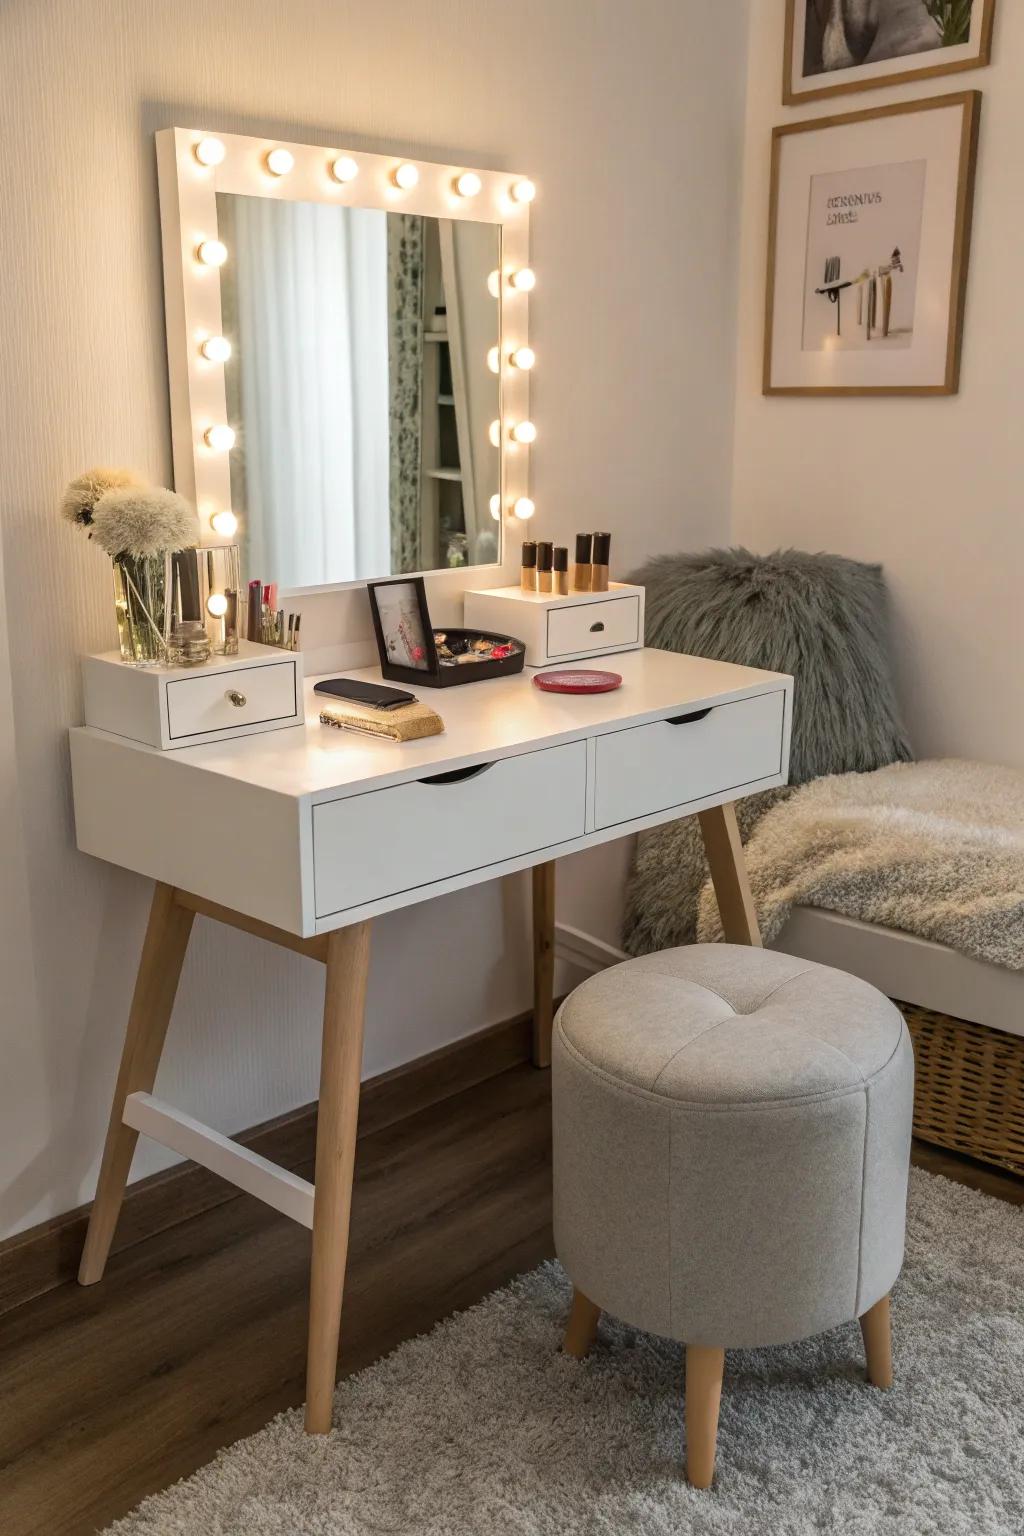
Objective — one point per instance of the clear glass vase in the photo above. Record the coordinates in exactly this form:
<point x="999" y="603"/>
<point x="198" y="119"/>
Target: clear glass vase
<point x="142" y="586"/>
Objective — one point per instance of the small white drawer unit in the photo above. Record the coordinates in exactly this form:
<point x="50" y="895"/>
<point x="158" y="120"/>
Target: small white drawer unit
<point x="260" y="689"/>
<point x="570" y="628"/>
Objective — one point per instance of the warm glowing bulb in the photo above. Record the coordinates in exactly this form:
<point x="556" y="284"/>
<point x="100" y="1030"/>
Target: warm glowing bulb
<point x="225" y="523"/>
<point x="468" y="184"/>
<point x="209" y="152"/>
<point x="216" y="349"/>
<point x="524" y="432"/>
<point x="494" y="359"/>
<point x="523" y="280"/>
<point x="494" y="433"/>
<point x="496" y="507"/>
<point x="220" y="438"/>
<point x="212" y="253"/>
<point x="494" y="284"/>
<point x="217" y="605"/>
<point x="405" y="176"/>
<point x="344" y="168"/>
<point x="524" y="508"/>
<point x="523" y="357"/>
<point x="280" y="162"/>
<point x="523" y="191"/>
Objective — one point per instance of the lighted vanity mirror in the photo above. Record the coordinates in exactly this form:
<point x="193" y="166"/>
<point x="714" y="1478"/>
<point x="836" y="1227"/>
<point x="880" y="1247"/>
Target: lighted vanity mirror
<point x="346" y="340"/>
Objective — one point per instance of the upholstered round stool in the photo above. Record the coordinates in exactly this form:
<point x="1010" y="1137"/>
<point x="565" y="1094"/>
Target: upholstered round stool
<point x="732" y="1144"/>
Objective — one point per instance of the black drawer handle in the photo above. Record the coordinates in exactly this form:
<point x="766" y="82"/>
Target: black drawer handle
<point x="595" y="629"/>
<point x="698" y="714"/>
<point x="458" y="775"/>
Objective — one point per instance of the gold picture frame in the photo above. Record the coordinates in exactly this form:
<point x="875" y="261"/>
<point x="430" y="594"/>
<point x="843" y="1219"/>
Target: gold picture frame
<point x="912" y="359"/>
<point x="798" y="87"/>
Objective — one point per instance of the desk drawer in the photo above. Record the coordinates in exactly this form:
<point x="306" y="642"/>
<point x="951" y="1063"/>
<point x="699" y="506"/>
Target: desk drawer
<point x="587" y="628"/>
<point x="653" y="767"/>
<point x="224" y="701"/>
<point x="393" y="840"/>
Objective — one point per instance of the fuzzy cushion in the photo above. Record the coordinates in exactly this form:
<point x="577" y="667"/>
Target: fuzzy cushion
<point x="820" y="617"/>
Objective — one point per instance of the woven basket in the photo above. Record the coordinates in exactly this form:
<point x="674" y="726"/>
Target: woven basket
<point x="969" y="1087"/>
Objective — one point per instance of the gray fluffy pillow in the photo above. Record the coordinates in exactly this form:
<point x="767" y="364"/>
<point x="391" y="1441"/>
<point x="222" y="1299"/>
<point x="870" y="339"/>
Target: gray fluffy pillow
<point x="820" y="617"/>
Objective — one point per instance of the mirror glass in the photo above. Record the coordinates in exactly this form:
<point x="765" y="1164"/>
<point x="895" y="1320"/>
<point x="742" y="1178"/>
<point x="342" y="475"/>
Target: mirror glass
<point x="361" y="389"/>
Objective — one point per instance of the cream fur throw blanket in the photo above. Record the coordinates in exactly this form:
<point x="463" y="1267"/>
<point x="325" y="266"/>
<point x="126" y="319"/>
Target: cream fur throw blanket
<point x="934" y="848"/>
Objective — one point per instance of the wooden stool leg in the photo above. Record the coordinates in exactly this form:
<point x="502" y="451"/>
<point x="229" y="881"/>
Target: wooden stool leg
<point x="876" y="1326"/>
<point x="729" y="874"/>
<point x="156" y="983"/>
<point x="581" y="1329"/>
<point x="348" y="958"/>
<point x="543" y="960"/>
<point x="704" y="1367"/>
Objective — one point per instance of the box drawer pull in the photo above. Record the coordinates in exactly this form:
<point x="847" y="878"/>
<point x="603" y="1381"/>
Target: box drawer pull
<point x="598" y="628"/>
<point x="698" y="714"/>
<point x="457" y="775"/>
<point x="239" y="700"/>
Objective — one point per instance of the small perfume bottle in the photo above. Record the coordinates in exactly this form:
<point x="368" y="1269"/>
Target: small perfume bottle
<point x="189" y="645"/>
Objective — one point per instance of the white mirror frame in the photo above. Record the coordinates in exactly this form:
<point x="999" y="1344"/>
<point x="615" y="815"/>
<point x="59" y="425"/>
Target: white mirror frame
<point x="192" y="299"/>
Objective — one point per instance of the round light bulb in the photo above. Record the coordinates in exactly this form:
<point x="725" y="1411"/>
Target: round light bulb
<point x="468" y="184"/>
<point x="494" y="284"/>
<point x="494" y="359"/>
<point x="523" y="191"/>
<point x="209" y="152"/>
<point x="220" y="438"/>
<point x="524" y="432"/>
<point x="216" y="349"/>
<point x="217" y="605"/>
<point x="344" y="168"/>
<point x="224" y="523"/>
<point x="280" y="162"/>
<point x="494" y="433"/>
<point x="405" y="176"/>
<point x="523" y="357"/>
<point x="524" y="508"/>
<point x="523" y="280"/>
<point x="212" y="253"/>
<point x="496" y="507"/>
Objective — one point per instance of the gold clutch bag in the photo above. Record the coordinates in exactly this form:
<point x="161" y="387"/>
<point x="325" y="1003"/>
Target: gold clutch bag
<point x="408" y="723"/>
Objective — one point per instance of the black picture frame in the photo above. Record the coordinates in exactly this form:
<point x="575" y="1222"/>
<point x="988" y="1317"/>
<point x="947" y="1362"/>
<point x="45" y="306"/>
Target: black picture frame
<point x="397" y="672"/>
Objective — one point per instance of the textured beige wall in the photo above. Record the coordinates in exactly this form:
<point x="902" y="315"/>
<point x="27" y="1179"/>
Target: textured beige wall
<point x="930" y="487"/>
<point x="630" y="117"/>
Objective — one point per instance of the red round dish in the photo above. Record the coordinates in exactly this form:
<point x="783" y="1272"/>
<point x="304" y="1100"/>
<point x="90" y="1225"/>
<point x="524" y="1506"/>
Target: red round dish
<point x="577" y="680"/>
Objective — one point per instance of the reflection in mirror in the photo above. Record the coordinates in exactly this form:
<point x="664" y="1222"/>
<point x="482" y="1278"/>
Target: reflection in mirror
<point x="360" y="389"/>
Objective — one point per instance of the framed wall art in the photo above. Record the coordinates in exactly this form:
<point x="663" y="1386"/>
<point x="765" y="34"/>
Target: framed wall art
<point x="833" y="46"/>
<point x="868" y="243"/>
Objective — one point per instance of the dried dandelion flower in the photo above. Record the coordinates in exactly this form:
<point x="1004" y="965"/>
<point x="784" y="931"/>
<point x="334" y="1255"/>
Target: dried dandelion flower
<point x="81" y="496"/>
<point x="142" y="521"/>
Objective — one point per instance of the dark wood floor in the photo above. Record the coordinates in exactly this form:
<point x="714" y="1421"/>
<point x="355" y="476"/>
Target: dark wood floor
<point x="196" y="1336"/>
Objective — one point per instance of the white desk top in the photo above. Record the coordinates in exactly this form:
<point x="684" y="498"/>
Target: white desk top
<point x="500" y="717"/>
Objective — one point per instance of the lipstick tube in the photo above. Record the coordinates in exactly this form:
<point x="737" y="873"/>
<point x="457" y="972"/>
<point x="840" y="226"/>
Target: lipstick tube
<point x="545" y="560"/>
<point x="528" y="573"/>
<point x="560" y="576"/>
<point x="599" y="570"/>
<point x="582" y="569"/>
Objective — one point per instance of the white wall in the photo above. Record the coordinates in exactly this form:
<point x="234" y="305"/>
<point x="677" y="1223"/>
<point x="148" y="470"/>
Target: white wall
<point x="931" y="487"/>
<point x="629" y="116"/>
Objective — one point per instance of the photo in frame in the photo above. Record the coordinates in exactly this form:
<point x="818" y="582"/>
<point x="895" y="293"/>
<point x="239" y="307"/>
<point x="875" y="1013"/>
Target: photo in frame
<point x="401" y="625"/>
<point x="834" y="46"/>
<point x="868" y="244"/>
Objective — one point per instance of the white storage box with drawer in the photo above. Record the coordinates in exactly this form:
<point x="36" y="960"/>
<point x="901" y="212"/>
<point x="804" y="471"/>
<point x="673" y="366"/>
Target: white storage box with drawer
<point x="260" y="689"/>
<point x="570" y="628"/>
<point x="315" y="829"/>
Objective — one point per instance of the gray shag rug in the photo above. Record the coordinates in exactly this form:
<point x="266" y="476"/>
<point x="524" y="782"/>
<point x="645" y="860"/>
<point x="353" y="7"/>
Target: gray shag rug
<point x="820" y="617"/>
<point x="482" y="1428"/>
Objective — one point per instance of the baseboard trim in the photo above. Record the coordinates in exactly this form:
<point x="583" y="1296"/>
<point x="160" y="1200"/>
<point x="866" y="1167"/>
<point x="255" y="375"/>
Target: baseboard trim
<point x="45" y="1256"/>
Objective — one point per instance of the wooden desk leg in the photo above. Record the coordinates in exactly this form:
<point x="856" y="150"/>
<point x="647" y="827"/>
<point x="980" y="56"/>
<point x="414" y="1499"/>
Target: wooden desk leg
<point x="163" y="954"/>
<point x="729" y="875"/>
<point x="348" y="958"/>
<point x="543" y="960"/>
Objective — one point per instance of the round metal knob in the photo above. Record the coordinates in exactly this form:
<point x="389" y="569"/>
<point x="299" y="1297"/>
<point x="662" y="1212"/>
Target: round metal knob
<point x="237" y="699"/>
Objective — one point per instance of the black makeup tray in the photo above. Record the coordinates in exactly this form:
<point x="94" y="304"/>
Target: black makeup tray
<point x="451" y="675"/>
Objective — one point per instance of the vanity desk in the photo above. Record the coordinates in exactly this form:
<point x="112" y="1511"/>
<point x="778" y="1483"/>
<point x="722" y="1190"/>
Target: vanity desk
<point x="303" y="835"/>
